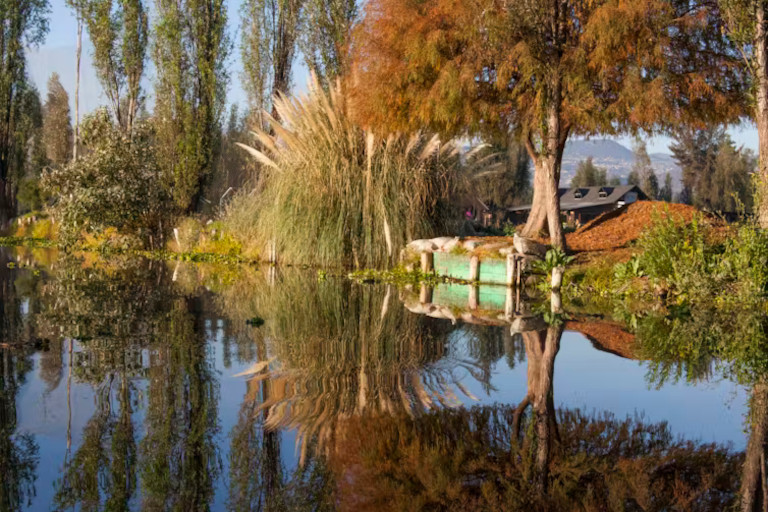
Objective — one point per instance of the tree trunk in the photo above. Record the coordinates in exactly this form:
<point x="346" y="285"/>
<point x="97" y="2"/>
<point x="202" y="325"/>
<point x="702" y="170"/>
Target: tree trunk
<point x="753" y="473"/>
<point x="761" y="114"/>
<point x="546" y="199"/>
<point x="77" y="86"/>
<point x="537" y="217"/>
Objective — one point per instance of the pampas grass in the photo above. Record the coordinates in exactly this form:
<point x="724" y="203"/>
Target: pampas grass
<point x="334" y="194"/>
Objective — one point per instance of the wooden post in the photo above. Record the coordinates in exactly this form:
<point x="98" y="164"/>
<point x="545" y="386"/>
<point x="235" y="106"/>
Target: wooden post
<point x="425" y="294"/>
<point x="473" y="297"/>
<point x="474" y="268"/>
<point x="509" y="303"/>
<point x="427" y="262"/>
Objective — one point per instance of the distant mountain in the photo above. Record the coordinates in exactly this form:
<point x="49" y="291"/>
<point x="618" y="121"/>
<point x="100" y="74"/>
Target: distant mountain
<point x="617" y="159"/>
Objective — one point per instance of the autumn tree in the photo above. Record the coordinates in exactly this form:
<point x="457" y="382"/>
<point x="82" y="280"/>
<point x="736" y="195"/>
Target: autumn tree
<point x="118" y="32"/>
<point x="547" y="70"/>
<point x="57" y="123"/>
<point x="589" y="175"/>
<point x="270" y="32"/>
<point x="190" y="51"/>
<point x="325" y="33"/>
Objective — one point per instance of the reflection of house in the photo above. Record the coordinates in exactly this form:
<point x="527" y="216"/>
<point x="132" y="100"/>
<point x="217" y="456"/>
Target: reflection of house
<point x="586" y="203"/>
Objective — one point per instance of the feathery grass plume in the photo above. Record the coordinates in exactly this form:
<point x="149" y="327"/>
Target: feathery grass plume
<point x="336" y="194"/>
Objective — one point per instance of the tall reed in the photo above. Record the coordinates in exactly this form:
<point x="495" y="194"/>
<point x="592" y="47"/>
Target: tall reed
<point x="335" y="194"/>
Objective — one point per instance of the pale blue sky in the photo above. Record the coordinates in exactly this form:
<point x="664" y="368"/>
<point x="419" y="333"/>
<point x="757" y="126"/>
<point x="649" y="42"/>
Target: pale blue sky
<point x="58" y="54"/>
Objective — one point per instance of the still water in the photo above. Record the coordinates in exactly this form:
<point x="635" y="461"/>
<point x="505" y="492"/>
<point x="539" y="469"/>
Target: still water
<point x="136" y="385"/>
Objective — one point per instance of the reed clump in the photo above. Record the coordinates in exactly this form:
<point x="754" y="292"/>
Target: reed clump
<point x="334" y="194"/>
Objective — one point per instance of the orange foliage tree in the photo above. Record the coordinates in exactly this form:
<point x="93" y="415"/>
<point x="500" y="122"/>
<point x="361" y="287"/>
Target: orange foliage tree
<point x="545" y="70"/>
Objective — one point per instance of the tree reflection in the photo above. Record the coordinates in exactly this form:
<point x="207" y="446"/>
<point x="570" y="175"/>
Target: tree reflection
<point x="506" y="458"/>
<point x="335" y="350"/>
<point x="702" y="342"/>
<point x="134" y="337"/>
<point x="18" y="450"/>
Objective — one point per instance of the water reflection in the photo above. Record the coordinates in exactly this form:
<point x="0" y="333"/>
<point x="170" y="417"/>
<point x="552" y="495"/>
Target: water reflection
<point x="731" y="342"/>
<point x="345" y="400"/>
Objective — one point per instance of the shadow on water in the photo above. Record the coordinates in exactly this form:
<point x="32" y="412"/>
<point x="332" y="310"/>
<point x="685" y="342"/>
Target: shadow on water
<point x="280" y="392"/>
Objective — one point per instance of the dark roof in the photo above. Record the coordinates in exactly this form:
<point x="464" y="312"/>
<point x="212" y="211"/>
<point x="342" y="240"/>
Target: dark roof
<point x="587" y="197"/>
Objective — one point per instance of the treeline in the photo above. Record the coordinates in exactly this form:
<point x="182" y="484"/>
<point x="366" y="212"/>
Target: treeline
<point x="716" y="174"/>
<point x="522" y="77"/>
<point x="184" y="149"/>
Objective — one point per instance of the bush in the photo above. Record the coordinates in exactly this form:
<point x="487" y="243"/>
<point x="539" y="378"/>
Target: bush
<point x="672" y="250"/>
<point x="115" y="184"/>
<point x="335" y="194"/>
<point x="745" y="261"/>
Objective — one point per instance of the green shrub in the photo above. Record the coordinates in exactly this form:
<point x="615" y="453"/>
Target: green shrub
<point x="116" y="183"/>
<point x="673" y="250"/>
<point x="335" y="194"/>
<point x="745" y="261"/>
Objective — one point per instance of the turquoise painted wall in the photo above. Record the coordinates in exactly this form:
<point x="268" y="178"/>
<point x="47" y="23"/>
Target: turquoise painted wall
<point x="492" y="270"/>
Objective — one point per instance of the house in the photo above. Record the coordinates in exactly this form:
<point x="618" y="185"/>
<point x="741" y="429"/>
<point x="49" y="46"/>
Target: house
<point x="585" y="203"/>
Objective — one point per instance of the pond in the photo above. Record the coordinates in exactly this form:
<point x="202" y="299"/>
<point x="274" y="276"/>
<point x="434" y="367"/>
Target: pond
<point x="140" y="385"/>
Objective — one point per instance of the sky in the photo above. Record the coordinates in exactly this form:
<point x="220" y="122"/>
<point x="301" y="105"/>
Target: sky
<point x="57" y="54"/>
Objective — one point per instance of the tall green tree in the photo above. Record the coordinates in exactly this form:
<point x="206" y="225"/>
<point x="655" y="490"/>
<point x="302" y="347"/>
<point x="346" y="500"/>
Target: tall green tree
<point x="716" y="174"/>
<point x="190" y="52"/>
<point x="665" y="193"/>
<point x="23" y="23"/>
<point x="589" y="175"/>
<point x="747" y="26"/>
<point x="57" y="123"/>
<point x="29" y="156"/>
<point x="79" y="7"/>
<point x="510" y="184"/>
<point x="325" y="35"/>
<point x="642" y="173"/>
<point x="118" y="30"/>
<point x="731" y="185"/>
<point x="270" y="33"/>
<point x="695" y="151"/>
<point x="548" y="70"/>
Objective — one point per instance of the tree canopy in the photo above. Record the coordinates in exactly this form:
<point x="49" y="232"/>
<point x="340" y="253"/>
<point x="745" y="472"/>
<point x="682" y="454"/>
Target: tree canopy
<point x="546" y="70"/>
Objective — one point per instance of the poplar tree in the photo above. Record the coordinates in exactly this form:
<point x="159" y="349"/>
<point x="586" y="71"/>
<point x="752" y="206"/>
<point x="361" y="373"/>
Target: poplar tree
<point x="325" y="35"/>
<point x="270" y="32"/>
<point x="23" y="23"/>
<point x="642" y="173"/>
<point x="118" y="32"/>
<point x="589" y="175"/>
<point x="547" y="70"/>
<point x="79" y="7"/>
<point x="57" y="123"/>
<point x="190" y="51"/>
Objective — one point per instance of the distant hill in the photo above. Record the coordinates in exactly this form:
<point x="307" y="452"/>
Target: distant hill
<point x="617" y="159"/>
